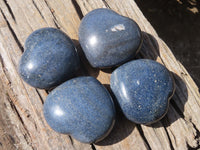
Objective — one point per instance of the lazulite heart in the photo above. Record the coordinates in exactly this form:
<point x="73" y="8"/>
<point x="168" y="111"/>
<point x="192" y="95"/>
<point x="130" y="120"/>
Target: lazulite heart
<point x="50" y="58"/>
<point x="143" y="89"/>
<point x="108" y="39"/>
<point x="81" y="107"/>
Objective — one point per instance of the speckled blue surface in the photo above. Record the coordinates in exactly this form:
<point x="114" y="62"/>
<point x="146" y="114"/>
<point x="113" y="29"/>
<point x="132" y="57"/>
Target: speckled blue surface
<point x="108" y="39"/>
<point x="142" y="88"/>
<point x="81" y="107"/>
<point x="49" y="59"/>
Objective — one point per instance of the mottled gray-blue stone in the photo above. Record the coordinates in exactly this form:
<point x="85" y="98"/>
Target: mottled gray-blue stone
<point x="143" y="89"/>
<point x="50" y="58"/>
<point x="108" y="39"/>
<point x="81" y="107"/>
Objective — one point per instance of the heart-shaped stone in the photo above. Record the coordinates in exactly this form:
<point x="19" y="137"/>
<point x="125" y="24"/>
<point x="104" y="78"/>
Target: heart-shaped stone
<point x="143" y="89"/>
<point x="81" y="107"/>
<point x="50" y="58"/>
<point x="108" y="39"/>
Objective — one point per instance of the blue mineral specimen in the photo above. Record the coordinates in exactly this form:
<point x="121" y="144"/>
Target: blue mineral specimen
<point x="108" y="39"/>
<point x="81" y="107"/>
<point x="50" y="58"/>
<point x="143" y="89"/>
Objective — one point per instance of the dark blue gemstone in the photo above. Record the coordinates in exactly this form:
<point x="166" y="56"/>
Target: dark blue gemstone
<point x="50" y="58"/>
<point x="108" y="39"/>
<point x="143" y="89"/>
<point x="81" y="107"/>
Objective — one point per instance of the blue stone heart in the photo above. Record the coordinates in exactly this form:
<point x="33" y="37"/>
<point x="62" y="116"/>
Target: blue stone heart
<point x="81" y="107"/>
<point x="50" y="58"/>
<point x="143" y="89"/>
<point x="108" y="39"/>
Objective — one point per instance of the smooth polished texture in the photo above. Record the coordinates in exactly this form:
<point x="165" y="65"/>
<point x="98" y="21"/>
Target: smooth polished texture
<point x="143" y="89"/>
<point x="81" y="107"/>
<point x="50" y="58"/>
<point x="108" y="39"/>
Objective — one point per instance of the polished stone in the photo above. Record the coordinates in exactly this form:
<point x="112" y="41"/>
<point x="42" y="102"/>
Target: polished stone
<point x="108" y="39"/>
<point x="50" y="58"/>
<point x="143" y="89"/>
<point x="81" y="107"/>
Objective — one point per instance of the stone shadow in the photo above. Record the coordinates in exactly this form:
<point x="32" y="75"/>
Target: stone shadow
<point x="122" y="128"/>
<point x="149" y="48"/>
<point x="85" y="68"/>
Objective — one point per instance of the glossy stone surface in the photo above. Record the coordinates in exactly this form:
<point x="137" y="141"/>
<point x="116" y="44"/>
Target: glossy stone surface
<point x="143" y="89"/>
<point x="50" y="58"/>
<point x="81" y="107"/>
<point x="108" y="39"/>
